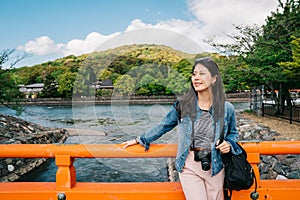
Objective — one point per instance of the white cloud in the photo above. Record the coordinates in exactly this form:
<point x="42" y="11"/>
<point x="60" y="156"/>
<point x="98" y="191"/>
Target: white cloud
<point x="138" y="24"/>
<point x="210" y="18"/>
<point x="91" y="42"/>
<point x="218" y="16"/>
<point x="46" y="46"/>
<point x="41" y="46"/>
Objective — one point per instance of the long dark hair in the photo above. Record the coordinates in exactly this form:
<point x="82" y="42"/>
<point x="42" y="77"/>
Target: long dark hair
<point x="188" y="102"/>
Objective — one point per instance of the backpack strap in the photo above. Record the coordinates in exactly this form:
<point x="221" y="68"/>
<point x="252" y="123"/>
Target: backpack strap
<point x="178" y="110"/>
<point x="227" y="194"/>
<point x="254" y="195"/>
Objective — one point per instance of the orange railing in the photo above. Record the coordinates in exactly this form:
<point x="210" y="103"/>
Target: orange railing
<point x="66" y="186"/>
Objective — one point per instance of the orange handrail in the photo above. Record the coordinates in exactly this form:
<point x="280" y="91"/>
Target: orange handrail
<point x="85" y="151"/>
<point x="67" y="187"/>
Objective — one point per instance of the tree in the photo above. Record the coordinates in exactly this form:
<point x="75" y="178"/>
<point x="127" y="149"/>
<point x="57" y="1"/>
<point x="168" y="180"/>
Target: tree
<point x="275" y="47"/>
<point x="291" y="69"/>
<point x="262" y="49"/>
<point x="89" y="79"/>
<point x="50" y="87"/>
<point x="66" y="84"/>
<point x="83" y="82"/>
<point x="143" y="85"/>
<point x="177" y="84"/>
<point x="6" y="55"/>
<point x="184" y="67"/>
<point x="148" y="85"/>
<point x="105" y="74"/>
<point x="124" y="85"/>
<point x="122" y="64"/>
<point x="8" y="88"/>
<point x="233" y="73"/>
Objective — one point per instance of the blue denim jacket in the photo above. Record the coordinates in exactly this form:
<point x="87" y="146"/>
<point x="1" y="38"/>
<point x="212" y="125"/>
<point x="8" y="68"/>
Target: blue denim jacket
<point x="171" y="120"/>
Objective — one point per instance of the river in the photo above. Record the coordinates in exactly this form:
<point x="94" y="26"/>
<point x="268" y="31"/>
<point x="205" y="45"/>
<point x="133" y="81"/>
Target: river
<point x="118" y="123"/>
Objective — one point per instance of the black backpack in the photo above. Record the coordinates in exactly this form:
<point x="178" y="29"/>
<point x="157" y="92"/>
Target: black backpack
<point x="239" y="174"/>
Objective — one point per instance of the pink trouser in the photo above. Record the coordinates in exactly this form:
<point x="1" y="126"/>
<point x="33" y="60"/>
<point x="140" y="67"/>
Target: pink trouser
<point x="198" y="184"/>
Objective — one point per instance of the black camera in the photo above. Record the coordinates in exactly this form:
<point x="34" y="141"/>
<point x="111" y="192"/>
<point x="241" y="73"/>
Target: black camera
<point x="205" y="157"/>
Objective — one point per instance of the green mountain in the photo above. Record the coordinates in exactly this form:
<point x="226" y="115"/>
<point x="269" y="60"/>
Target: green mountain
<point x="133" y="70"/>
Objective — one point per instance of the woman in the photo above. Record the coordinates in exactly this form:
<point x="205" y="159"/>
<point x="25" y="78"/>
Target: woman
<point x="201" y="115"/>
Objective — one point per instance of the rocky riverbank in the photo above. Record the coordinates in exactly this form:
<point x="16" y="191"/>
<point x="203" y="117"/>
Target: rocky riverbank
<point x="271" y="166"/>
<point x="17" y="131"/>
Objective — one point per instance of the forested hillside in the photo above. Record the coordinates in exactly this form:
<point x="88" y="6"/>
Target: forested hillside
<point x="133" y="69"/>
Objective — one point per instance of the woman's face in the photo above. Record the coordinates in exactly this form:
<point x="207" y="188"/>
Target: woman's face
<point x="201" y="78"/>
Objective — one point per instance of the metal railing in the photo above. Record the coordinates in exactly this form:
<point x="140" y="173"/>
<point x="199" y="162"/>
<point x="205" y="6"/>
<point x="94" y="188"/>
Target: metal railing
<point x="66" y="186"/>
<point x="291" y="113"/>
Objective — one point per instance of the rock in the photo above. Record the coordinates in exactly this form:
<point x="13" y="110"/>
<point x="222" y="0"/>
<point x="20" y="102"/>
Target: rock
<point x="19" y="163"/>
<point x="275" y="166"/>
<point x="294" y="174"/>
<point x="12" y="177"/>
<point x="17" y="131"/>
<point x="172" y="173"/>
<point x="267" y="138"/>
<point x="295" y="165"/>
<point x="10" y="168"/>
<point x="263" y="168"/>
<point x="280" y="177"/>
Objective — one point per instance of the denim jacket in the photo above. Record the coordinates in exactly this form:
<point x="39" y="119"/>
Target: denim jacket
<point x="184" y="130"/>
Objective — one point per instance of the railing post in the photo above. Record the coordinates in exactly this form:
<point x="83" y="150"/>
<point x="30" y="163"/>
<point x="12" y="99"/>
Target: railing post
<point x="66" y="174"/>
<point x="291" y="114"/>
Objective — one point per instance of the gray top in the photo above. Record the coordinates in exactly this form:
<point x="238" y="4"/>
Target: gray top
<point x="203" y="134"/>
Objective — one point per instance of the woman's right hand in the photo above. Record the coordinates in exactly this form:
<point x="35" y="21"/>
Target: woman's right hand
<point x="129" y="143"/>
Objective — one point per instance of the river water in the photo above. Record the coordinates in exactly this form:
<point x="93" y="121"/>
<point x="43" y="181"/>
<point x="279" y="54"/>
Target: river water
<point x="119" y="123"/>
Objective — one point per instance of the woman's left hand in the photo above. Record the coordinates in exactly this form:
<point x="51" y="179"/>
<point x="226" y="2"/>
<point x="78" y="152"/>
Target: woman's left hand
<point x="129" y="143"/>
<point x="224" y="147"/>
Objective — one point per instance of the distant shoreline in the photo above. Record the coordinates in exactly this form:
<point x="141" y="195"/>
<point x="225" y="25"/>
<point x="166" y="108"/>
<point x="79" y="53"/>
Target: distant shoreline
<point x="109" y="100"/>
<point x="39" y="102"/>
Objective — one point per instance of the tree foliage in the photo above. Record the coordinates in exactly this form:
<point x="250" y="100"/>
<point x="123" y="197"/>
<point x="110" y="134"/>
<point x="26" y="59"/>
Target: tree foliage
<point x="8" y="89"/>
<point x="263" y="50"/>
<point x="66" y="84"/>
<point x="9" y="92"/>
<point x="291" y="69"/>
<point x="177" y="84"/>
<point x="124" y="85"/>
<point x="50" y="87"/>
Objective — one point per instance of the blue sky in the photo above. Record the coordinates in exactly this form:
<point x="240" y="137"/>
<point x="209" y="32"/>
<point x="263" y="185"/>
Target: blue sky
<point x="49" y="29"/>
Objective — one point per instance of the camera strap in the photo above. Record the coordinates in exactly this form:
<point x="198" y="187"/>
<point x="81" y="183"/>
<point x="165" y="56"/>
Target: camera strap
<point x="193" y="133"/>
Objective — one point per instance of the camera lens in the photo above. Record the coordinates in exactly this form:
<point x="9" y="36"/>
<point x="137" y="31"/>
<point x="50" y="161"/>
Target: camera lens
<point x="205" y="163"/>
<point x="204" y="157"/>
